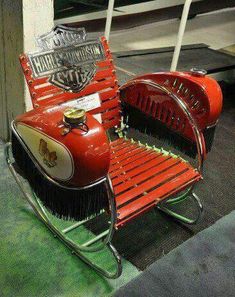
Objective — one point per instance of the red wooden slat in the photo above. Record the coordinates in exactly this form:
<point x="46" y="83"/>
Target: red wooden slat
<point x="118" y="143"/>
<point x="164" y="164"/>
<point x="136" y="155"/>
<point x="106" y="105"/>
<point x="109" y="94"/>
<point x="111" y="124"/>
<point x="176" y="182"/>
<point x="90" y="89"/>
<point x="104" y="73"/>
<point x="126" y="157"/>
<point x="123" y="151"/>
<point x="138" y="170"/>
<point x="115" y="174"/>
<point x="120" y="147"/>
<point x="121" y="223"/>
<point x="111" y="114"/>
<point x="147" y="185"/>
<point x="48" y="90"/>
<point x="71" y="96"/>
<point x="153" y="203"/>
<point x="39" y="81"/>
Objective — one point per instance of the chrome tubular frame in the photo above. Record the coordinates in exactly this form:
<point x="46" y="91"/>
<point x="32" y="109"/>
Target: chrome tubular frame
<point x="200" y="154"/>
<point x="76" y="248"/>
<point x="163" y="207"/>
<point x="105" y="237"/>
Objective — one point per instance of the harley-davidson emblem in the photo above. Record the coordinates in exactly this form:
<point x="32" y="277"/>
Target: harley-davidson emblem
<point x="74" y="79"/>
<point x="49" y="158"/>
<point x="71" y="64"/>
<point x="61" y="36"/>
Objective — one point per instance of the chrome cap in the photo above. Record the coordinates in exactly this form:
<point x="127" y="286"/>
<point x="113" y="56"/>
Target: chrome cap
<point x="198" y="71"/>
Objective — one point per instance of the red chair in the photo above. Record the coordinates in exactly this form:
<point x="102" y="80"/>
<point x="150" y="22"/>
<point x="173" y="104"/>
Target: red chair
<point x="135" y="177"/>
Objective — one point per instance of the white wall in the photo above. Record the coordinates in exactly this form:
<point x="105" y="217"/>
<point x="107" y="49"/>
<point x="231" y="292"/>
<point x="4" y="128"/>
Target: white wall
<point x="38" y="18"/>
<point x="20" y="22"/>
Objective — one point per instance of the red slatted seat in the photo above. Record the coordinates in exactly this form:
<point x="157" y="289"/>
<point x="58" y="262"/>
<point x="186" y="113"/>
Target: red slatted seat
<point x="142" y="177"/>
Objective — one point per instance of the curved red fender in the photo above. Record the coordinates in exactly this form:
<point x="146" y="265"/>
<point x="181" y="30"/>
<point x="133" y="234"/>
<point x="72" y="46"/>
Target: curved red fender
<point x="201" y="94"/>
<point x="206" y="105"/>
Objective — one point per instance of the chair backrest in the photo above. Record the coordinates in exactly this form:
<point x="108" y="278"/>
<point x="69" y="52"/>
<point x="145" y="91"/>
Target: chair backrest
<point x="104" y="83"/>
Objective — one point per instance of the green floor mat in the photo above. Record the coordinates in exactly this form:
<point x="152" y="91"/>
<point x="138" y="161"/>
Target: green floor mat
<point x="34" y="263"/>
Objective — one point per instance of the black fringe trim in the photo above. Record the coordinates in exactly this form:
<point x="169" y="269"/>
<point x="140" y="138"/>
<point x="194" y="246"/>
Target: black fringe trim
<point x="63" y="203"/>
<point x="150" y="126"/>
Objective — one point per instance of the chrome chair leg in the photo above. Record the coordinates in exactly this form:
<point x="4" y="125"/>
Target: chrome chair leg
<point x="77" y="249"/>
<point x="164" y="208"/>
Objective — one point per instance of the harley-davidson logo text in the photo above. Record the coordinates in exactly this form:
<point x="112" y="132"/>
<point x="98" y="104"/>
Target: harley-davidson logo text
<point x="49" y="62"/>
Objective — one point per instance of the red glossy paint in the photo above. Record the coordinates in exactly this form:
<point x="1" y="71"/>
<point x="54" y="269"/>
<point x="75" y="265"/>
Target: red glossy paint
<point x="90" y="152"/>
<point x="104" y="82"/>
<point x="142" y="178"/>
<point x="202" y="95"/>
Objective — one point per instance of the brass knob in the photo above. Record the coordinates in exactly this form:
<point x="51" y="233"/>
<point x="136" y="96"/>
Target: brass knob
<point x="74" y="116"/>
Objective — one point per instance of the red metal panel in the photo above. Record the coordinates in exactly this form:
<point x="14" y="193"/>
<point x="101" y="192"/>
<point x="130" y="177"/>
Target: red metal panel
<point x="201" y="94"/>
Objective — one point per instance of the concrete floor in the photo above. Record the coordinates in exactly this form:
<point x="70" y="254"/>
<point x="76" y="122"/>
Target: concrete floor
<point x="215" y="29"/>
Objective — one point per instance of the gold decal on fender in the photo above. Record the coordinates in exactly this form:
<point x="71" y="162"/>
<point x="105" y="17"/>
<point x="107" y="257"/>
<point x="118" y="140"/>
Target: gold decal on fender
<point x="49" y="158"/>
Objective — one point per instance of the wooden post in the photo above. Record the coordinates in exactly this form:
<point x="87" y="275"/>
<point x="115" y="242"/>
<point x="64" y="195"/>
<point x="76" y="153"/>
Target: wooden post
<point x="20" y="22"/>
